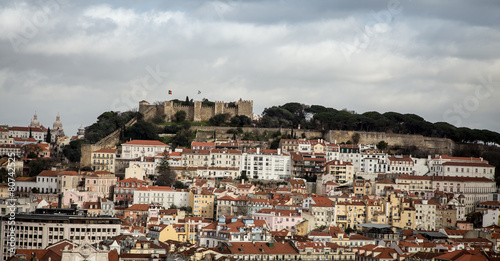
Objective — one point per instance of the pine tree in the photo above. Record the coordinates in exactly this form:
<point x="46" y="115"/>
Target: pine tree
<point x="48" y="139"/>
<point x="166" y="176"/>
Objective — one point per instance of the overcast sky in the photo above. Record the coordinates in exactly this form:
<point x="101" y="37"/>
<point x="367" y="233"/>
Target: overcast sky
<point x="437" y="59"/>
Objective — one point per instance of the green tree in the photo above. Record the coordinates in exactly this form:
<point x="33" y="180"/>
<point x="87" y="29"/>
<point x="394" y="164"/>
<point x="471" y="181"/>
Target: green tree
<point x="180" y="116"/>
<point x="37" y="166"/>
<point x="166" y="176"/>
<point x="179" y="185"/>
<point x="48" y="139"/>
<point x="355" y="138"/>
<point x="108" y="122"/>
<point x="73" y="151"/>
<point x="4" y="175"/>
<point x="219" y="119"/>
<point x="382" y="145"/>
<point x="240" y="121"/>
<point x="476" y="218"/>
<point x="141" y="130"/>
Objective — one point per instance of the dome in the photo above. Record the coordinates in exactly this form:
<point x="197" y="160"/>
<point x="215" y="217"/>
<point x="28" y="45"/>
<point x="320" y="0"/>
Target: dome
<point x="57" y="124"/>
<point x="35" y="123"/>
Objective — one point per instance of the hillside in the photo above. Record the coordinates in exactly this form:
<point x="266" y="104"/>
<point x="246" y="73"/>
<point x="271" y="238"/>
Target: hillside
<point x="317" y="117"/>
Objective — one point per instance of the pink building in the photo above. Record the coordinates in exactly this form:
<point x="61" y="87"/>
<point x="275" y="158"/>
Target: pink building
<point x="74" y="196"/>
<point x="279" y="219"/>
<point x="245" y="189"/>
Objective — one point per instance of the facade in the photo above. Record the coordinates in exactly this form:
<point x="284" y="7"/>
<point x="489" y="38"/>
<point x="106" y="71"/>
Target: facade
<point x="425" y="211"/>
<point x="202" y="202"/>
<point x="401" y="165"/>
<point x="146" y="148"/>
<point x="103" y="160"/>
<point x="419" y="185"/>
<point x="266" y="164"/>
<point x="225" y="158"/>
<point x="343" y="171"/>
<point x="37" y="231"/>
<point x="100" y="183"/>
<point x="234" y="230"/>
<point x="279" y="219"/>
<point x="474" y="190"/>
<point x="437" y="168"/>
<point x="467" y="169"/>
<point x="135" y="172"/>
<point x="124" y="189"/>
<point x="374" y="162"/>
<point x="217" y="172"/>
<point x="161" y="195"/>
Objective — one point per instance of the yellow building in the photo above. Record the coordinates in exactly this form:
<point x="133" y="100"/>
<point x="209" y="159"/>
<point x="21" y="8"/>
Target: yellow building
<point x="202" y="202"/>
<point x="163" y="232"/>
<point x="339" y="237"/>
<point x="343" y="171"/>
<point x="4" y="191"/>
<point x="103" y="160"/>
<point x="350" y="214"/>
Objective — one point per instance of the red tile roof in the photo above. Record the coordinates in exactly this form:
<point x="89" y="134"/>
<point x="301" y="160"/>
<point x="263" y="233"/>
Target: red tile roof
<point x="105" y="151"/>
<point x="146" y="143"/>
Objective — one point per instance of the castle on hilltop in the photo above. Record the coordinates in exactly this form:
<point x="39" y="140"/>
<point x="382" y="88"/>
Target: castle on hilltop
<point x="197" y="112"/>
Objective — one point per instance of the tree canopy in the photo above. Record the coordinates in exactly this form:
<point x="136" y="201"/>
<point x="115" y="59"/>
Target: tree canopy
<point x="319" y="117"/>
<point x="106" y="124"/>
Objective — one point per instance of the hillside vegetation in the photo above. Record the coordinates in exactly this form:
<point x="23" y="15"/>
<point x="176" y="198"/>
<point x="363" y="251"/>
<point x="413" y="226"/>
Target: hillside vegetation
<point x="291" y="115"/>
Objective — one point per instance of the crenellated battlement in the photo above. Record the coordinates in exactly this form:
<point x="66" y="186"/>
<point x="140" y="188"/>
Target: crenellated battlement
<point x="197" y="112"/>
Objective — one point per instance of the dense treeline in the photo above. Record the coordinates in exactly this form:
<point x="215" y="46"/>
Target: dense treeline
<point x="291" y="115"/>
<point x="107" y="123"/>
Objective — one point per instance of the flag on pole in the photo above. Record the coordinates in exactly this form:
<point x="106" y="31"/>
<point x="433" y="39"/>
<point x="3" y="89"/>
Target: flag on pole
<point x="170" y="92"/>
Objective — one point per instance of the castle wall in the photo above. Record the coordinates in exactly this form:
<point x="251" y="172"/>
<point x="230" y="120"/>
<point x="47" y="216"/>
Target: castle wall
<point x="188" y="109"/>
<point x="434" y="145"/>
<point x="206" y="113"/>
<point x="195" y="113"/>
<point x="108" y="142"/>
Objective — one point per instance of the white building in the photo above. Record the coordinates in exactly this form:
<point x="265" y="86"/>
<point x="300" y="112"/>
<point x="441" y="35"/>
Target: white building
<point x="267" y="164"/>
<point x="474" y="190"/>
<point x="375" y="162"/>
<point x="148" y="164"/>
<point x="225" y="158"/>
<point x="467" y="169"/>
<point x="38" y="231"/>
<point x="401" y="165"/>
<point x="147" y="148"/>
<point x="437" y="169"/>
<point x="166" y="196"/>
<point x="490" y="217"/>
<point x="135" y="171"/>
<point x="218" y="172"/>
<point x="425" y="215"/>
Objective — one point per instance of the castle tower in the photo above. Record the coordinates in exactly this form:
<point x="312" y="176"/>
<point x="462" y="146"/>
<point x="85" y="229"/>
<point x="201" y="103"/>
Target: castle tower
<point x="197" y="111"/>
<point x="143" y="105"/>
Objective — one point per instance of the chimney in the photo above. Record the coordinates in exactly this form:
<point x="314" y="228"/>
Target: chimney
<point x="279" y="151"/>
<point x="258" y="150"/>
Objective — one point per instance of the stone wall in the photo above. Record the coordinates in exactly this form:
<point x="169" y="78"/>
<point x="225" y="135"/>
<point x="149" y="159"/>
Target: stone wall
<point x="221" y="132"/>
<point x="433" y="145"/>
<point x="108" y="142"/>
<point x="197" y="112"/>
